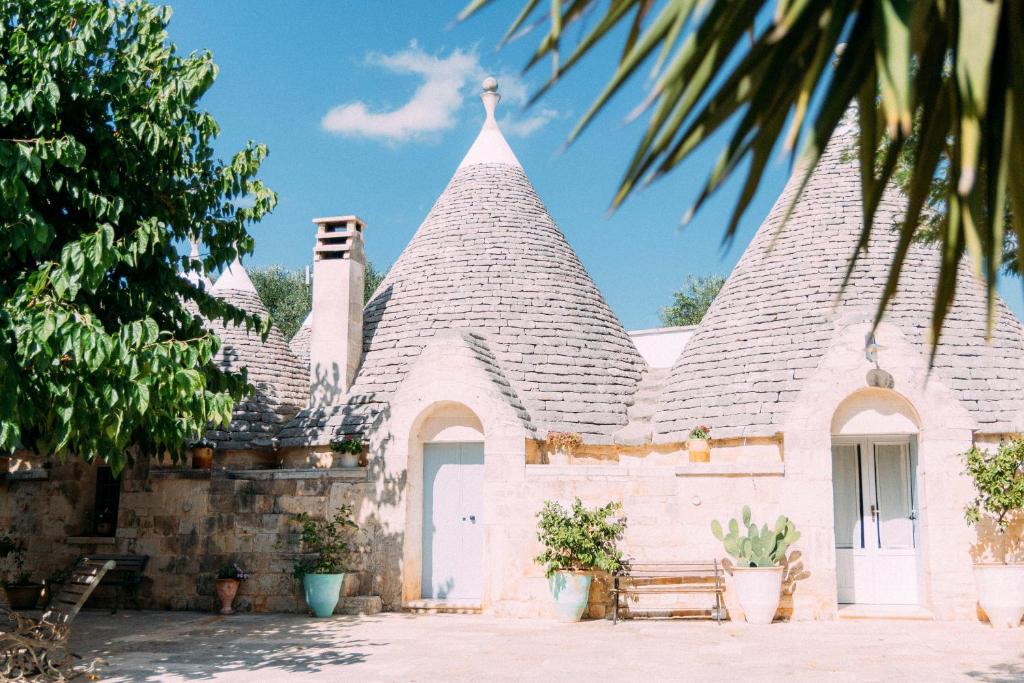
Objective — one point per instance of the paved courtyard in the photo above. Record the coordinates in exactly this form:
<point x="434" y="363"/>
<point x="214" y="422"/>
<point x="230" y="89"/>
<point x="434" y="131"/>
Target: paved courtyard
<point x="190" y="646"/>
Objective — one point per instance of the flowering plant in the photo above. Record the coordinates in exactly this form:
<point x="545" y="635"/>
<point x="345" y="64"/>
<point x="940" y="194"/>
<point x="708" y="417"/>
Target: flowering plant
<point x="700" y="432"/>
<point x="353" y="446"/>
<point x="568" y="441"/>
<point x="232" y="571"/>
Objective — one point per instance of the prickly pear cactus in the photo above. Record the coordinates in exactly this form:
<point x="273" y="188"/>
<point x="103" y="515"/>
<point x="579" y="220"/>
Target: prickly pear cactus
<point x="756" y="547"/>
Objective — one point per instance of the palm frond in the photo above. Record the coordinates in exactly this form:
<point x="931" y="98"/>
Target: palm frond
<point x="949" y="75"/>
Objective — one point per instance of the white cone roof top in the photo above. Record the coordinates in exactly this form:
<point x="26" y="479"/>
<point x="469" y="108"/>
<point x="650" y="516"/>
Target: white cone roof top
<point x="235" y="278"/>
<point x="197" y="277"/>
<point x="490" y="146"/>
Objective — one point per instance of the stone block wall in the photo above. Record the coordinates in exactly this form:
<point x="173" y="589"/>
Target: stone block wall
<point x="190" y="524"/>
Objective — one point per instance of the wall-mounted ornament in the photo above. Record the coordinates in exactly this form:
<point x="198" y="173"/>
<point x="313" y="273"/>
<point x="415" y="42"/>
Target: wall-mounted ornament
<point x="877" y="377"/>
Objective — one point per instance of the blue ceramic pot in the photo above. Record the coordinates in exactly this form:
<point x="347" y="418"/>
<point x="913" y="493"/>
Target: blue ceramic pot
<point x="571" y="592"/>
<point x="322" y="592"/>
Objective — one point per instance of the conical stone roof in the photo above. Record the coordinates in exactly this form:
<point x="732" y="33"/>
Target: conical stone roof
<point x="490" y="260"/>
<point x="777" y="313"/>
<point x="281" y="382"/>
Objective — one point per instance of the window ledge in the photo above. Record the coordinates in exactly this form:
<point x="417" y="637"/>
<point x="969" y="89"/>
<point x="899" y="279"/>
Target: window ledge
<point x="718" y="469"/>
<point x="92" y="540"/>
<point x="354" y="474"/>
<point x="36" y="474"/>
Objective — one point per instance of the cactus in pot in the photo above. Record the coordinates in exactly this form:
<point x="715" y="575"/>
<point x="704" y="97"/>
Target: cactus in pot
<point x="764" y="547"/>
<point x="760" y="553"/>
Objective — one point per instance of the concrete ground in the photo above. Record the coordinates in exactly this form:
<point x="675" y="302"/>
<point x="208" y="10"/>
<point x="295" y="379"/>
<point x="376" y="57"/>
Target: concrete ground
<point x="190" y="646"/>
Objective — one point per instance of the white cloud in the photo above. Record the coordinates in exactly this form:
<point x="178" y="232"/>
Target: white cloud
<point x="434" y="106"/>
<point x="526" y="124"/>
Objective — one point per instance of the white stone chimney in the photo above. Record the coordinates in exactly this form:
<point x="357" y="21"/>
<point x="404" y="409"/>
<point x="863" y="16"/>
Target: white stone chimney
<point x="339" y="268"/>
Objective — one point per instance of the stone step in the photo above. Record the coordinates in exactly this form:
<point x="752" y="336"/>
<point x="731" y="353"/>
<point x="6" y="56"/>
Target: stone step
<point x="441" y="607"/>
<point x="360" y="604"/>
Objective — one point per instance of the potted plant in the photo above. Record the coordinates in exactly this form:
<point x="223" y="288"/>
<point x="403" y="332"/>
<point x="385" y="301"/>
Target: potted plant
<point x="697" y="445"/>
<point x="999" y="482"/>
<point x="349" y="449"/>
<point x="760" y="555"/>
<point x="22" y="592"/>
<point x="577" y="542"/>
<point x="561" y="445"/>
<point x="202" y="454"/>
<point x="323" y="559"/>
<point x="229" y="578"/>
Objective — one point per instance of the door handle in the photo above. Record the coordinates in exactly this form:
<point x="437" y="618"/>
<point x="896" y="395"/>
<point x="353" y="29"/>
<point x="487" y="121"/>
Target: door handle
<point x="874" y="512"/>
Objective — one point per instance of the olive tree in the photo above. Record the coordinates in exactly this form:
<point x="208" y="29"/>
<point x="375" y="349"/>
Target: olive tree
<point x="106" y="167"/>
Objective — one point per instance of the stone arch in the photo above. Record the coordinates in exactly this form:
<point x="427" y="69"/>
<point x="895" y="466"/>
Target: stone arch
<point x="875" y="411"/>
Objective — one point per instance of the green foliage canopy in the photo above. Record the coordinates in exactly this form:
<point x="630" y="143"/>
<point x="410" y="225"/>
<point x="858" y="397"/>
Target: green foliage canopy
<point x="285" y="294"/>
<point x="690" y="304"/>
<point x="106" y="165"/>
<point x="761" y="72"/>
<point x="999" y="482"/>
<point x="323" y="543"/>
<point x="581" y="539"/>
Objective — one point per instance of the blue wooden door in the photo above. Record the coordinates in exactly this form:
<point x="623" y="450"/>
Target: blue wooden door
<point x="453" y="478"/>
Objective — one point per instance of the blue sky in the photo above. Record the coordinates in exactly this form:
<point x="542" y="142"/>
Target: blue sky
<point x="310" y="79"/>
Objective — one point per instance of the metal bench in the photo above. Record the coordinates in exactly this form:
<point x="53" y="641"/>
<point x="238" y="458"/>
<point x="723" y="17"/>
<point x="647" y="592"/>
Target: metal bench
<point x="666" y="578"/>
<point x="125" y="576"/>
<point x="37" y="649"/>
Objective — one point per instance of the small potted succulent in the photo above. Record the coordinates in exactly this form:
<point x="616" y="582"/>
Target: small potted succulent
<point x="22" y="592"/>
<point x="349" y="449"/>
<point x="561" y="445"/>
<point x="202" y="454"/>
<point x="229" y="578"/>
<point x="999" y="484"/>
<point x="760" y="556"/>
<point x="323" y="559"/>
<point x="577" y="543"/>
<point x="697" y="445"/>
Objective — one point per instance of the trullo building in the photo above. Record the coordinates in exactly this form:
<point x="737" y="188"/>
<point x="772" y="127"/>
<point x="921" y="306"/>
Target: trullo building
<point x="488" y="333"/>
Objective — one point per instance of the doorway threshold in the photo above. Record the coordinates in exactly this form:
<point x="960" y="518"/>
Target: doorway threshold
<point x="430" y="606"/>
<point x="902" y="612"/>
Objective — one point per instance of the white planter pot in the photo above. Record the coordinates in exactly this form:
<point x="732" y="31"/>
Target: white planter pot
<point x="1001" y="593"/>
<point x="558" y="457"/>
<point x="349" y="459"/>
<point x="758" y="590"/>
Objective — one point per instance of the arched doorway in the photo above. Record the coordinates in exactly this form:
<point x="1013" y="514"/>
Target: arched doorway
<point x="452" y="508"/>
<point x="875" y="499"/>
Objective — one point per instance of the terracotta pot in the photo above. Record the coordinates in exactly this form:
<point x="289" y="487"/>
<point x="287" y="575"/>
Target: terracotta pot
<point x="5" y="465"/>
<point x="700" y="450"/>
<point x="23" y="596"/>
<point x="202" y="458"/>
<point x="226" y="591"/>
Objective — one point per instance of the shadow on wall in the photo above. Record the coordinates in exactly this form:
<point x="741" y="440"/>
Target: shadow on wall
<point x="991" y="544"/>
<point x="201" y="648"/>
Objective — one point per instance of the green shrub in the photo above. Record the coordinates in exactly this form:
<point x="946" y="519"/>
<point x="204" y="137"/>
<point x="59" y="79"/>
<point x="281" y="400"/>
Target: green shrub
<point x="581" y="539"/>
<point x="999" y="483"/>
<point x="326" y="539"/>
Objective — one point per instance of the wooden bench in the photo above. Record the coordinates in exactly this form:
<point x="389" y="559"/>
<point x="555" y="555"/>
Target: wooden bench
<point x="125" y="577"/>
<point x="666" y="578"/>
<point x="37" y="649"/>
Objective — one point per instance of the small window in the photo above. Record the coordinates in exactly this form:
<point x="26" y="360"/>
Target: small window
<point x="108" y="498"/>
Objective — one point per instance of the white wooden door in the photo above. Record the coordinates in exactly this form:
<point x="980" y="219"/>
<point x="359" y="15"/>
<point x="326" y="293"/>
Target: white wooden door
<point x="453" y="480"/>
<point x="875" y="522"/>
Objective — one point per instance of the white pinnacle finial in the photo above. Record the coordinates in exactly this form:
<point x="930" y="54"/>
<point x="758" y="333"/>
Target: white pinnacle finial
<point x="490" y="146"/>
<point x="194" y="254"/>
